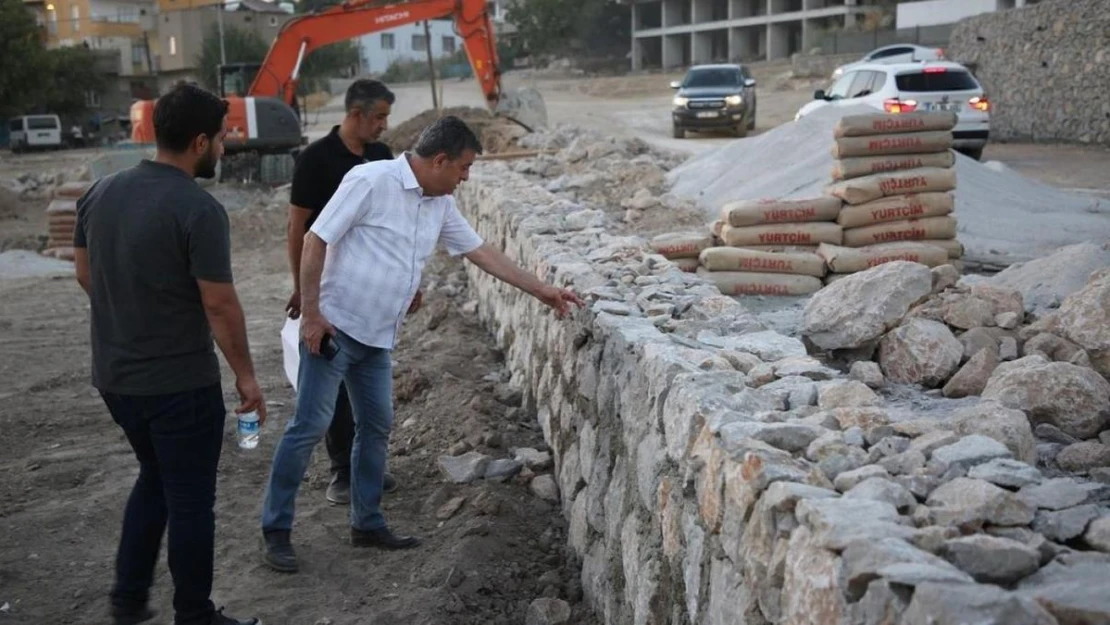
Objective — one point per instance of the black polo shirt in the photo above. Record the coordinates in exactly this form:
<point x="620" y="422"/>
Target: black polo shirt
<point x="321" y="166"/>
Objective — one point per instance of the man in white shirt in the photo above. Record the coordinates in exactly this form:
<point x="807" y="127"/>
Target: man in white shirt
<point x="360" y="270"/>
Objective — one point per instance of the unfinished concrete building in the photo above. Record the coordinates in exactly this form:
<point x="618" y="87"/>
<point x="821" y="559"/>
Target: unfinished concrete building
<point x="676" y="33"/>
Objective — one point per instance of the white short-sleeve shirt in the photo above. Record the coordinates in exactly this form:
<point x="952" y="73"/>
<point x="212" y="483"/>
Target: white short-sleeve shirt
<point x="381" y="229"/>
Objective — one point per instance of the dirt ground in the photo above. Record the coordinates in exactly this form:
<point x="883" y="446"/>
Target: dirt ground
<point x="67" y="469"/>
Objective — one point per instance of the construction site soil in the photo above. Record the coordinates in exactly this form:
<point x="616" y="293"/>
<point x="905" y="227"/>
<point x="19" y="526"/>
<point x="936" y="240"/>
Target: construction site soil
<point x="490" y="548"/>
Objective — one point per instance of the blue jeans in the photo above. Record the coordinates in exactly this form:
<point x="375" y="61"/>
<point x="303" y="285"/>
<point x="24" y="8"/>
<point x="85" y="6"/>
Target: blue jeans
<point x="367" y="372"/>
<point x="177" y="440"/>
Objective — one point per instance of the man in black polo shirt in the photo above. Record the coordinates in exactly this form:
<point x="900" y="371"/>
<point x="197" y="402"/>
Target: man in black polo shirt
<point x="319" y="170"/>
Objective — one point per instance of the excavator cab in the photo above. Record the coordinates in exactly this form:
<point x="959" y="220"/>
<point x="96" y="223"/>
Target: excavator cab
<point x="236" y="78"/>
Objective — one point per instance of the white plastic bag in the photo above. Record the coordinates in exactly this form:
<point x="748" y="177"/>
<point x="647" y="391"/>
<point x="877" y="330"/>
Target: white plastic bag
<point x="290" y="349"/>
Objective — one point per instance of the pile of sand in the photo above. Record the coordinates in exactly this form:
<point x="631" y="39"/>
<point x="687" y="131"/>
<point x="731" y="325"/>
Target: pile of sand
<point x="1003" y="216"/>
<point x="496" y="133"/>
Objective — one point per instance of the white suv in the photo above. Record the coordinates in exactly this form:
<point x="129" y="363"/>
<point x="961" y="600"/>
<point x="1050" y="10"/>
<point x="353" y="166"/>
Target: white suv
<point x="907" y="87"/>
<point x="897" y="53"/>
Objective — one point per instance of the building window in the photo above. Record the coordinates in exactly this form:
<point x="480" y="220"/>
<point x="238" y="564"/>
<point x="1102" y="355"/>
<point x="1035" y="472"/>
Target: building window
<point x="387" y="41"/>
<point x="138" y="55"/>
<point x="448" y="45"/>
<point x="173" y="46"/>
<point x="419" y="43"/>
<point x="92" y="99"/>
<point x="75" y="13"/>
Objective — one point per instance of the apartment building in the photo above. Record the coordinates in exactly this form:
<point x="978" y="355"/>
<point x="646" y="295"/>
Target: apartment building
<point x="919" y="13"/>
<point x="182" y="26"/>
<point x="408" y="43"/>
<point x="677" y="33"/>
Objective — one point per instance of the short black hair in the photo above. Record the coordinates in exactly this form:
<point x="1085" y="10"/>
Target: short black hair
<point x="448" y="135"/>
<point x="364" y="92"/>
<point x="186" y="112"/>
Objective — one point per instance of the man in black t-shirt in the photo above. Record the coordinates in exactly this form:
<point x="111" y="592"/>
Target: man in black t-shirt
<point x="153" y="253"/>
<point x="319" y="170"/>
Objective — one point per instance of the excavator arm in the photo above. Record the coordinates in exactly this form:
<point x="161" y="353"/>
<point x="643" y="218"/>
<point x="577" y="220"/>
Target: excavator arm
<point x="280" y="71"/>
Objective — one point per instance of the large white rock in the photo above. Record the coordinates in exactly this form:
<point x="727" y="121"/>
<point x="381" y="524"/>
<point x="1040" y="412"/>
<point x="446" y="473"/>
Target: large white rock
<point x="921" y="351"/>
<point x="857" y="310"/>
<point x="1084" y="318"/>
<point x="1073" y="398"/>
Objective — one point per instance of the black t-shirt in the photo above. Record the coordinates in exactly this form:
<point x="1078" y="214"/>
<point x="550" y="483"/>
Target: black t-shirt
<point x="151" y="232"/>
<point x="321" y="167"/>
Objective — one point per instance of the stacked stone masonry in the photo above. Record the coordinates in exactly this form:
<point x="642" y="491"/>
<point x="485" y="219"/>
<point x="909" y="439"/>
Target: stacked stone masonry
<point x="712" y="472"/>
<point x="1046" y="68"/>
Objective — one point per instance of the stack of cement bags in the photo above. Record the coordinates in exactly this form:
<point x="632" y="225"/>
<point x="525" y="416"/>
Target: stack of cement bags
<point x="895" y="172"/>
<point x="61" y="217"/>
<point x="768" y="247"/>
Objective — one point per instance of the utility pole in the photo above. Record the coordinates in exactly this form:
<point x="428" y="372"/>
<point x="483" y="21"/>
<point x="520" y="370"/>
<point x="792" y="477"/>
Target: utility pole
<point x="220" y="27"/>
<point x="431" y="64"/>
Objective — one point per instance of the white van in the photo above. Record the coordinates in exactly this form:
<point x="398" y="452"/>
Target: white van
<point x="35" y="132"/>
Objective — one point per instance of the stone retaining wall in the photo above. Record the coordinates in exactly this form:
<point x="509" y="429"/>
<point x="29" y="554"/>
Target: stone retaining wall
<point x="714" y="473"/>
<point x="1045" y="67"/>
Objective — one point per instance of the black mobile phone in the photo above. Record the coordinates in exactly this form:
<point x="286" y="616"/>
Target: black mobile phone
<point x="328" y="348"/>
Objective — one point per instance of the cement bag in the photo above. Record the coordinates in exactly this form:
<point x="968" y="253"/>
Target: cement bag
<point x="856" y="166"/>
<point x="688" y="265"/>
<point x="291" y="349"/>
<point x="781" y="248"/>
<point x="904" y="143"/>
<point x="681" y="244"/>
<point x="952" y="247"/>
<point x="72" y="190"/>
<point x="887" y="123"/>
<point x="875" y="186"/>
<point x="895" y="208"/>
<point x="740" y="259"/>
<point x="752" y="212"/>
<point x="782" y="234"/>
<point x="850" y="260"/>
<point x="63" y="206"/>
<point x="717" y="225"/>
<point x="905" y="230"/>
<point x="746" y="283"/>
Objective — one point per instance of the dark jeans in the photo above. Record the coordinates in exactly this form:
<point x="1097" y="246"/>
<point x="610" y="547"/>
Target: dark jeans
<point x="340" y="436"/>
<point x="177" y="439"/>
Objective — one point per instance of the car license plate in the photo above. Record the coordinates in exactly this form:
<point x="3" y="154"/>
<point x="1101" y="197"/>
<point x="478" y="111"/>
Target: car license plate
<point x="707" y="114"/>
<point x="943" y="106"/>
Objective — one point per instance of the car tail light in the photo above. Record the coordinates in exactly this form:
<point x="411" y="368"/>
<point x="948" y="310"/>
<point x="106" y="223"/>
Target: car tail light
<point x="980" y="103"/>
<point x="895" y="105"/>
<point x="935" y="70"/>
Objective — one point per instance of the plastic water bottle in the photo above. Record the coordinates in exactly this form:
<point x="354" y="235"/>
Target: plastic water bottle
<point x="248" y="430"/>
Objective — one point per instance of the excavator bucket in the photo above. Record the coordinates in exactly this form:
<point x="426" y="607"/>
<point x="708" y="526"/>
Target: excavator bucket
<point x="524" y="106"/>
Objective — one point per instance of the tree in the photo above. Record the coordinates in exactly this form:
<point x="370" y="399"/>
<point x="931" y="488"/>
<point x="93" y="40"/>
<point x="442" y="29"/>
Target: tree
<point x="73" y="75"/>
<point x="240" y="46"/>
<point x="571" y="27"/>
<point x="24" y="68"/>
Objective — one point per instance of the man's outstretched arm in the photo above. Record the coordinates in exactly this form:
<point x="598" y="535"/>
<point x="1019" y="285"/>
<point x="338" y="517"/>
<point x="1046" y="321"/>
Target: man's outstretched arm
<point x="494" y="262"/>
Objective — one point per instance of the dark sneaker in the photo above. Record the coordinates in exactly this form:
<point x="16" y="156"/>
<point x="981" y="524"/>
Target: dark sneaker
<point x="277" y="552"/>
<point x="219" y="618"/>
<point x="131" y="617"/>
<point x="389" y="484"/>
<point x="339" y="491"/>
<point x="382" y="538"/>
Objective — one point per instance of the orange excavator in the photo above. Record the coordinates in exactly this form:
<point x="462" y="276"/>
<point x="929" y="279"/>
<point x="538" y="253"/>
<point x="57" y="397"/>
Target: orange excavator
<point x="266" y="118"/>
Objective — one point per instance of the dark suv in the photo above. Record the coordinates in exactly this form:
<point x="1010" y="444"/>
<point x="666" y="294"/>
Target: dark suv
<point x="714" y="97"/>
